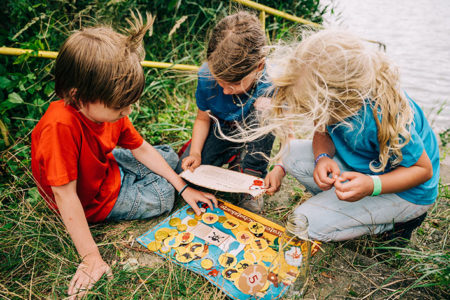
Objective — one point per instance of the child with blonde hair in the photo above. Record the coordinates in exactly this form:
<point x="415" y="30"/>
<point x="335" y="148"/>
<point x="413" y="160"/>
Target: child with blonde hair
<point x="373" y="163"/>
<point x="75" y="163"/>
<point x="231" y="89"/>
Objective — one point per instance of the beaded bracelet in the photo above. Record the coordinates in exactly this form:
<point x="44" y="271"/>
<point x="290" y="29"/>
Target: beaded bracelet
<point x="320" y="156"/>
<point x="281" y="166"/>
<point x="182" y="190"/>
<point x="376" y="185"/>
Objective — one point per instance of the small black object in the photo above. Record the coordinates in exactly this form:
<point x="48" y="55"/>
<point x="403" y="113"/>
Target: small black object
<point x="404" y="230"/>
<point x="182" y="190"/>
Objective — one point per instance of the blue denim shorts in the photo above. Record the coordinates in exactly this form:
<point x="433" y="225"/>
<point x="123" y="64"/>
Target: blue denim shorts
<point x="143" y="194"/>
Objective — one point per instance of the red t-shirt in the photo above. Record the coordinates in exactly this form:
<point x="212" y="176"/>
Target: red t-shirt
<point x="66" y="146"/>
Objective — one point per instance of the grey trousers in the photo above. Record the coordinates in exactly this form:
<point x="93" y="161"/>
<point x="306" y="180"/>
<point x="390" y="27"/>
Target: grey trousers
<point x="331" y="219"/>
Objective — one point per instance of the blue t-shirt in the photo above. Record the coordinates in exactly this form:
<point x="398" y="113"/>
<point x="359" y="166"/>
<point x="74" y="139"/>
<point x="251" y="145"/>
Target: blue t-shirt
<point x="210" y="96"/>
<point x="358" y="145"/>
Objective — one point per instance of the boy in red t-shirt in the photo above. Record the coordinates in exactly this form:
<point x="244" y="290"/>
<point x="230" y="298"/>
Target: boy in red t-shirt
<point x="74" y="161"/>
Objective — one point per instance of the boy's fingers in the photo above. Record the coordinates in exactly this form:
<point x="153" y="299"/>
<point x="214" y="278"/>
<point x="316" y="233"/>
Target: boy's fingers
<point x="72" y="284"/>
<point x="213" y="199"/>
<point x="196" y="209"/>
<point x="207" y="201"/>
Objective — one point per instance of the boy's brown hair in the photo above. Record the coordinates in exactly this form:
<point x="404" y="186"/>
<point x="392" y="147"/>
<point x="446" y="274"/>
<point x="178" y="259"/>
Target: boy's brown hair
<point x="100" y="64"/>
<point x="236" y="46"/>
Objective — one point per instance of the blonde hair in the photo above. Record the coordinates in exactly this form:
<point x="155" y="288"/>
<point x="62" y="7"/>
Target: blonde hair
<point x="236" y="46"/>
<point x="328" y="77"/>
<point x="100" y="64"/>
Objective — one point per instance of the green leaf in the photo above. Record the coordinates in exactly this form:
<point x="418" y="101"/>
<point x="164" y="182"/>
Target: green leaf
<point x="4" y="83"/>
<point x="49" y="88"/>
<point x="15" y="98"/>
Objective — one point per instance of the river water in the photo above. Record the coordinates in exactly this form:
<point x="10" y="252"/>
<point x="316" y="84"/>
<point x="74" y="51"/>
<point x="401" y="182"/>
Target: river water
<point x="417" y="38"/>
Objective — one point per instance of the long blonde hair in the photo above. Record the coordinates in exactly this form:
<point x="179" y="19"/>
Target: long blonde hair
<point x="328" y="77"/>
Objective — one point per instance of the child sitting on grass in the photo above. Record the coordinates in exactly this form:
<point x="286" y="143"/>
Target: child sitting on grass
<point x="230" y="88"/>
<point x="373" y="163"/>
<point x="75" y="163"/>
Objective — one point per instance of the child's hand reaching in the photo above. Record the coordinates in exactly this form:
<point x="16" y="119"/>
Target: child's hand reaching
<point x="191" y="162"/>
<point x="90" y="270"/>
<point x="273" y="180"/>
<point x="192" y="196"/>
<point x="358" y="186"/>
<point x="324" y="167"/>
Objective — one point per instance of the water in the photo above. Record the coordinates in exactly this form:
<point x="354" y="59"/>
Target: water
<point x="417" y="36"/>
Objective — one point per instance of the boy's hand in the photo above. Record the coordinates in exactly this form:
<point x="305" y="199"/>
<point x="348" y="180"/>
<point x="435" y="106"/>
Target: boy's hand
<point x="324" y="167"/>
<point x="357" y="187"/>
<point x="90" y="270"/>
<point x="192" y="196"/>
<point x="273" y="180"/>
<point x="191" y="162"/>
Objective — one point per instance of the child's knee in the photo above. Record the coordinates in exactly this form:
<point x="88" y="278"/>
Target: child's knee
<point x="168" y="154"/>
<point x="298" y="158"/>
<point x="319" y="227"/>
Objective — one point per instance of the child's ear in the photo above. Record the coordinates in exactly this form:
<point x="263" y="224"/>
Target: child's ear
<point x="261" y="65"/>
<point x="73" y="98"/>
<point x="73" y="92"/>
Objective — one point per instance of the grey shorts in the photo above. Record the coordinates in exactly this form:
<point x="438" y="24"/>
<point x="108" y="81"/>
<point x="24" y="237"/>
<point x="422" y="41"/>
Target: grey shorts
<point x="143" y="194"/>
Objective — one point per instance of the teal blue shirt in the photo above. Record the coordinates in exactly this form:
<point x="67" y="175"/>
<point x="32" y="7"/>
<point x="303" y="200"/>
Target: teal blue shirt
<point x="358" y="146"/>
<point x="210" y="96"/>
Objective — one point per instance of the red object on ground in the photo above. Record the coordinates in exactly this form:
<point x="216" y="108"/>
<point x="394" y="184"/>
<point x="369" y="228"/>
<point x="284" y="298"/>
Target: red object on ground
<point x="183" y="149"/>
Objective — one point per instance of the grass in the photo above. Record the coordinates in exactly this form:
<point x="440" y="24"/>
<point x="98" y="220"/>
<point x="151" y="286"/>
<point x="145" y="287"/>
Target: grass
<point x="37" y="257"/>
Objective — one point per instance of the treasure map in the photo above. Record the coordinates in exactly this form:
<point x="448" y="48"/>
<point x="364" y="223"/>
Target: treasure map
<point x="242" y="253"/>
<point x="220" y="179"/>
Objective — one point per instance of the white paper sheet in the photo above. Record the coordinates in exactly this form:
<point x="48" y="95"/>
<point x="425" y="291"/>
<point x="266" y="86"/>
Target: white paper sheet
<point x="224" y="180"/>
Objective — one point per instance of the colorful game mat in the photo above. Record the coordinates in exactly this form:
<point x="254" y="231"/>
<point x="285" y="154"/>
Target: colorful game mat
<point x="234" y="249"/>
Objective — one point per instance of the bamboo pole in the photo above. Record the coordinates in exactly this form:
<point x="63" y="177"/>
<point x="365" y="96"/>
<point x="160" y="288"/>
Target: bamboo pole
<point x="53" y="55"/>
<point x="163" y="65"/>
<point x="276" y="12"/>
<point x="262" y="19"/>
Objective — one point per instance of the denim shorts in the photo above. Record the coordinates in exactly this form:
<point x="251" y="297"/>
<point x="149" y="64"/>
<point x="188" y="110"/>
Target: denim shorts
<point x="143" y="194"/>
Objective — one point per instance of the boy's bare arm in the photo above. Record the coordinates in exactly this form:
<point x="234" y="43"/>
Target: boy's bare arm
<point x="92" y="267"/>
<point x="151" y="158"/>
<point x="199" y="134"/>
